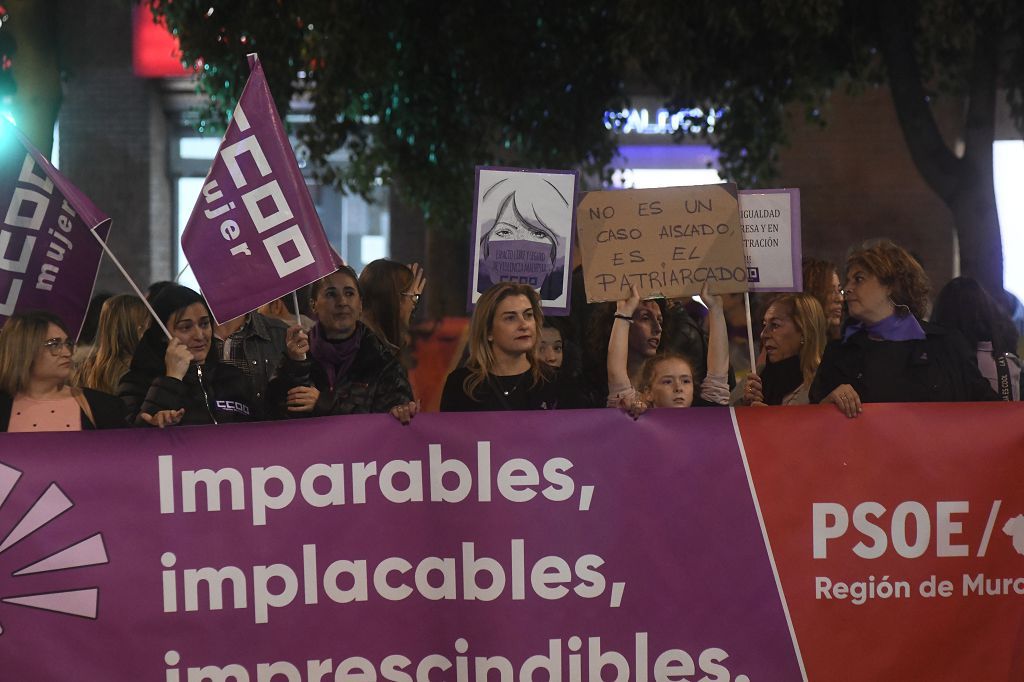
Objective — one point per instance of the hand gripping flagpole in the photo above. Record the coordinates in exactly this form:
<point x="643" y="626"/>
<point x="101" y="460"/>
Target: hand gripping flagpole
<point x="298" y="316"/>
<point x="134" y="286"/>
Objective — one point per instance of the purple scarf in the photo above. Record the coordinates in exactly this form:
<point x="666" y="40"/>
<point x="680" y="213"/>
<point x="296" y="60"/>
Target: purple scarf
<point x="336" y="357"/>
<point x="893" y="328"/>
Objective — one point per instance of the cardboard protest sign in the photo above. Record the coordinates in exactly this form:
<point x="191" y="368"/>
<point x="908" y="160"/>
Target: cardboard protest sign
<point x="770" y="220"/>
<point x="254" y="234"/>
<point x="667" y="242"/>
<point x="522" y="232"/>
<point x="48" y="259"/>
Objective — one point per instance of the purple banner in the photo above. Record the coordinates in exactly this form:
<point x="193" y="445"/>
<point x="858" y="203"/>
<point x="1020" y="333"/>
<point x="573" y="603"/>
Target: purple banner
<point x="48" y="259"/>
<point x="254" y="234"/>
<point x="548" y="547"/>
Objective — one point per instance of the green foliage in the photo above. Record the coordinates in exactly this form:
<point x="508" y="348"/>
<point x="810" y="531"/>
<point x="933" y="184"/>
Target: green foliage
<point x="417" y="94"/>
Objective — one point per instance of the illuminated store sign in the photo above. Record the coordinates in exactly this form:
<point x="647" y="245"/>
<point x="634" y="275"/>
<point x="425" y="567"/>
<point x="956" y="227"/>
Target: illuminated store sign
<point x="661" y="121"/>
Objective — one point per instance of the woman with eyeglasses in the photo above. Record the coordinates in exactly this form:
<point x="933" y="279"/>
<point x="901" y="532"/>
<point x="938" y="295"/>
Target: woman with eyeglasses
<point x="35" y="370"/>
<point x="181" y="381"/>
<point x="888" y="353"/>
<point x="391" y="291"/>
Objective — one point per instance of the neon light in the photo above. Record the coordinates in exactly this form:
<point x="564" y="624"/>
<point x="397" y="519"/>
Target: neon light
<point x="662" y="121"/>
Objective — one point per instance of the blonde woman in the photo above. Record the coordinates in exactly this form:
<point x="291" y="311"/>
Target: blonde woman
<point x="123" y="319"/>
<point x="792" y="341"/>
<point x="503" y="371"/>
<point x="35" y="371"/>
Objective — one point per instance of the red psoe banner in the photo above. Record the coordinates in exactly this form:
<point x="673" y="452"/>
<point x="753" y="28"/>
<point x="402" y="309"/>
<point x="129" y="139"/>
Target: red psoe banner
<point x="898" y="536"/>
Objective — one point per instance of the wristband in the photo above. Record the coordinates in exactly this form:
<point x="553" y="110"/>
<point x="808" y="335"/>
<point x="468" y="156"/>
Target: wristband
<point x="627" y="318"/>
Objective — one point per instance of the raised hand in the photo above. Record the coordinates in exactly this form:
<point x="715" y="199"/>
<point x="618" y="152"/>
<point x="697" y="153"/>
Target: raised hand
<point x="177" y="359"/>
<point x="296" y="343"/>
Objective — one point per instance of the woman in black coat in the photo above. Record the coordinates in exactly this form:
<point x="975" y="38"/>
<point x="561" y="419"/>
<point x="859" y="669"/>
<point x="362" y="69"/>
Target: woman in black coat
<point x="181" y="381"/>
<point x="341" y="367"/>
<point x="887" y="354"/>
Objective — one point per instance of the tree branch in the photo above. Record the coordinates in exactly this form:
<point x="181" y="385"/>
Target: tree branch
<point x="979" y="128"/>
<point x="934" y="160"/>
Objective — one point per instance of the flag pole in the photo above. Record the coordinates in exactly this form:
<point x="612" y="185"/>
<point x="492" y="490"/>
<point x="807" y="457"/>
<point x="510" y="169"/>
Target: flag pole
<point x="295" y="300"/>
<point x="134" y="286"/>
<point x="750" y="332"/>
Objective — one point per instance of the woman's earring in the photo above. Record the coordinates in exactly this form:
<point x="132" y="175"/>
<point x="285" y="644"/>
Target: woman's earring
<point x="899" y="308"/>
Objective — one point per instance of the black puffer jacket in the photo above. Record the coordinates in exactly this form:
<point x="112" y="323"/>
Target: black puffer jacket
<point x="210" y="393"/>
<point x="375" y="383"/>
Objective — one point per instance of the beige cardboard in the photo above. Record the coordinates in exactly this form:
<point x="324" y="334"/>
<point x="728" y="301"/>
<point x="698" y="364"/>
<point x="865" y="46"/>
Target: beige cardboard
<point x="667" y="242"/>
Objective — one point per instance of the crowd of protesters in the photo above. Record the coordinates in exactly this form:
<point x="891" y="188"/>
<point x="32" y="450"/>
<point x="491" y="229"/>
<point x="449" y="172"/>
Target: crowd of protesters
<point x="873" y="336"/>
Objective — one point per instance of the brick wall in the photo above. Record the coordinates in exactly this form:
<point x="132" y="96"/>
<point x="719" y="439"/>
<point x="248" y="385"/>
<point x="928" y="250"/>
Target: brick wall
<point x="113" y="138"/>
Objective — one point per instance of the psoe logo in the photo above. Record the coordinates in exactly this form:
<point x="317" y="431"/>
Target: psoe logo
<point x="1015" y="529"/>
<point x="82" y="602"/>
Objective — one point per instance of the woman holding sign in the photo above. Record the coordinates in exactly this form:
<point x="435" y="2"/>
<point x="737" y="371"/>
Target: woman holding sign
<point x="792" y="339"/>
<point x="887" y="353"/>
<point x="666" y="379"/>
<point x="35" y="370"/>
<point x="503" y="371"/>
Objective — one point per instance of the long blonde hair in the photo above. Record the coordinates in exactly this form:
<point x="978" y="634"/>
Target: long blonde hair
<point x="481" y="355"/>
<point x="122" y="322"/>
<point x="809" y="318"/>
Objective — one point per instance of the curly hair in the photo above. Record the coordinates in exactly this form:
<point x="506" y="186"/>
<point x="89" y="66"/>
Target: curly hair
<point x="896" y="269"/>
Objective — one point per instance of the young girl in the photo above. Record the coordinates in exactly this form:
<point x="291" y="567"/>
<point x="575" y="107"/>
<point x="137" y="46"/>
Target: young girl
<point x="666" y="379"/>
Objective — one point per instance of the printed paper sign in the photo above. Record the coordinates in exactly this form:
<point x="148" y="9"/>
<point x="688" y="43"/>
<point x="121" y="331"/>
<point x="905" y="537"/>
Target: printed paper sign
<point x="522" y="232"/>
<point x="770" y="220"/>
<point x="254" y="234"/>
<point x="48" y="259"/>
<point x="666" y="242"/>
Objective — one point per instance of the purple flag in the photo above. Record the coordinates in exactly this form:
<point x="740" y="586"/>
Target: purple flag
<point x="48" y="259"/>
<point x="254" y="235"/>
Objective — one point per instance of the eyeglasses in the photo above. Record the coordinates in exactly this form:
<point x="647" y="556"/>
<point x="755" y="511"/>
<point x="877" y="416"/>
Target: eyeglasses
<point x="415" y="298"/>
<point x="54" y="346"/>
